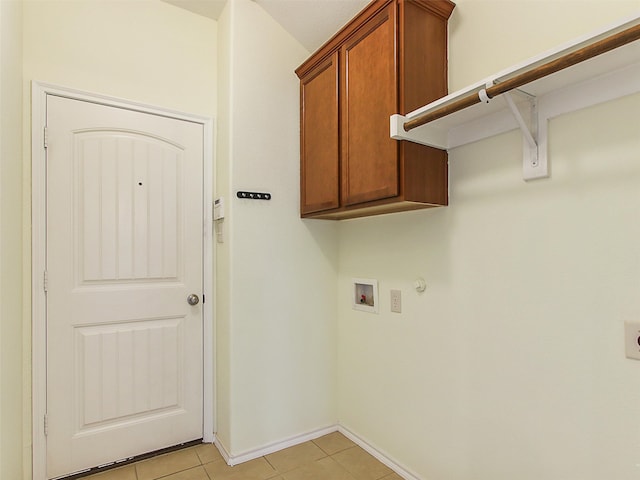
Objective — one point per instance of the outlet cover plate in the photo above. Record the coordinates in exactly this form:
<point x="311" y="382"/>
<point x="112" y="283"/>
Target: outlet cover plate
<point x="632" y="340"/>
<point x="396" y="301"/>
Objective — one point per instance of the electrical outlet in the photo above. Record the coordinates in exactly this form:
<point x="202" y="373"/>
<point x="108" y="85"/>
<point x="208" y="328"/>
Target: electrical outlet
<point x="396" y="301"/>
<point x="632" y="339"/>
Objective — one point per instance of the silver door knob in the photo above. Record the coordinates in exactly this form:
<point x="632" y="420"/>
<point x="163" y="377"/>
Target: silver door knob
<point x="193" y="299"/>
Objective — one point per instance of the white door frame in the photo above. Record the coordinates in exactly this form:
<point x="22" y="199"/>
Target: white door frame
<point x="39" y="93"/>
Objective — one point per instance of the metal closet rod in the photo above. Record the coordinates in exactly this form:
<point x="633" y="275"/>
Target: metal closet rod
<point x="602" y="46"/>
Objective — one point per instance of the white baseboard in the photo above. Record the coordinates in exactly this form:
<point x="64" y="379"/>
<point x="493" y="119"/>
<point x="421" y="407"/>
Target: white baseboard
<point x="298" y="439"/>
<point x="378" y="454"/>
<point x="272" y="447"/>
<point x="222" y="449"/>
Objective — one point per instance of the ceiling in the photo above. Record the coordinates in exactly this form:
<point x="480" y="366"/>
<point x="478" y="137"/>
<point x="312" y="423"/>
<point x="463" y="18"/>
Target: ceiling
<point x="311" y="22"/>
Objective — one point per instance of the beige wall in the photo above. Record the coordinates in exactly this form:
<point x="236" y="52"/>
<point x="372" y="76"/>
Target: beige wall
<point x="224" y="154"/>
<point x="487" y="36"/>
<point x="278" y="323"/>
<point x="11" y="400"/>
<point x="511" y="364"/>
<point x="147" y="51"/>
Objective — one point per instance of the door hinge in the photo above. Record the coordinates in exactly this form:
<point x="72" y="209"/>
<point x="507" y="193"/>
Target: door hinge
<point x="46" y="424"/>
<point x="46" y="137"/>
<point x="45" y="281"/>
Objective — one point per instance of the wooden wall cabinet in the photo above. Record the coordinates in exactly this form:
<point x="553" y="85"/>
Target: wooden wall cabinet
<point x="391" y="58"/>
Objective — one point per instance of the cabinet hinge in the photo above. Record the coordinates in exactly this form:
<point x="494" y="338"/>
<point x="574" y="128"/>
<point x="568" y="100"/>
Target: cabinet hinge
<point x="46" y="424"/>
<point x="45" y="281"/>
<point x="46" y="137"/>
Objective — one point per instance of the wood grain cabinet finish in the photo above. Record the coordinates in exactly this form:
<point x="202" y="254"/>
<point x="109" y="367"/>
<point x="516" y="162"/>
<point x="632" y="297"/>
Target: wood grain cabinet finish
<point x="319" y="141"/>
<point x="391" y="58"/>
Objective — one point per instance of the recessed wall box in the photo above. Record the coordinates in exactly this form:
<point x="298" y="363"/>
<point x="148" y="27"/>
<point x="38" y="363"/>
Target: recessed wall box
<point x="365" y="295"/>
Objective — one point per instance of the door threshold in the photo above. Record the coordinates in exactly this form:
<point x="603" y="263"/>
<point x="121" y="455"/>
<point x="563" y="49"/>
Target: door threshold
<point x="127" y="461"/>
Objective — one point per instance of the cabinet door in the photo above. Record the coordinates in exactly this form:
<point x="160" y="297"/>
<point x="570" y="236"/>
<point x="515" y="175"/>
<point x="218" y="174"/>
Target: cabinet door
<point x="319" y="138"/>
<point x="369" y="96"/>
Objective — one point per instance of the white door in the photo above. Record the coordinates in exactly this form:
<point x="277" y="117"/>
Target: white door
<point x="124" y="251"/>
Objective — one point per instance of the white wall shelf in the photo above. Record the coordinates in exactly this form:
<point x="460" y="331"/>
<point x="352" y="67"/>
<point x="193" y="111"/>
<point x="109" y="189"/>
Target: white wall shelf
<point x="603" y="78"/>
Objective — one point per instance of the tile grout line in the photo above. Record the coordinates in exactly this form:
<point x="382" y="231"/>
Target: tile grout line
<point x="276" y="473"/>
<point x="202" y="464"/>
<point x="270" y="464"/>
<point x="178" y="471"/>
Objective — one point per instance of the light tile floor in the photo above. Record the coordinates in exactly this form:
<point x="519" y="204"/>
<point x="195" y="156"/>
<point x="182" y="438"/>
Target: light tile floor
<point x="332" y="457"/>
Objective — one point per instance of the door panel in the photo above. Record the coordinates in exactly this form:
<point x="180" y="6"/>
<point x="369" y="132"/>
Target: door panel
<point x="124" y="250"/>
<point x="129" y="229"/>
<point x="319" y="139"/>
<point x="125" y="370"/>
<point x="369" y="155"/>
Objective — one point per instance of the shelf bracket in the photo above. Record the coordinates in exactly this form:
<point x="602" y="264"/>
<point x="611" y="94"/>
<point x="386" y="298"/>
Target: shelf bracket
<point x="533" y="165"/>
